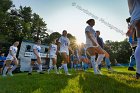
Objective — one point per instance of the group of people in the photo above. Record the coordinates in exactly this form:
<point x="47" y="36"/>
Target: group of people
<point x="62" y="46"/>
<point x="94" y="47"/>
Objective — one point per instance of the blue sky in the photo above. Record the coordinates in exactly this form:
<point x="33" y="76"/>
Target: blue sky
<point x="64" y="14"/>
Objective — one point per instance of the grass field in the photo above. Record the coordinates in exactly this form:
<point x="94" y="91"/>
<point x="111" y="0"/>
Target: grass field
<point x="119" y="81"/>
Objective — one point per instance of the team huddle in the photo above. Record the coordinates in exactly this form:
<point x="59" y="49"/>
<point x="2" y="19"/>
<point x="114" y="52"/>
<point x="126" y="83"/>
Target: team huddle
<point x="84" y="56"/>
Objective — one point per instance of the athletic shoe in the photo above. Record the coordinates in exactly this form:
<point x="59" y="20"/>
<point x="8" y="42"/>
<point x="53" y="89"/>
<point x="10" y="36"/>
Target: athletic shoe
<point x="41" y="72"/>
<point x="10" y="74"/>
<point x="98" y="72"/>
<point x="48" y="71"/>
<point x="68" y="74"/>
<point x="4" y="75"/>
<point x="131" y="69"/>
<point x="137" y="75"/>
<point x="29" y="73"/>
<point x="57" y="72"/>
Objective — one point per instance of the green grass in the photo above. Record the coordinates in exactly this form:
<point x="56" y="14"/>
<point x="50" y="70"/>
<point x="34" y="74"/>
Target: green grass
<point x="119" y="81"/>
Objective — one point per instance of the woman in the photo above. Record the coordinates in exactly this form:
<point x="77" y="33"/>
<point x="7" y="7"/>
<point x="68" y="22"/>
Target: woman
<point x="36" y="57"/>
<point x="63" y="45"/>
<point x="93" y="46"/>
<point x="53" y="57"/>
<point x="134" y="9"/>
<point x="11" y="58"/>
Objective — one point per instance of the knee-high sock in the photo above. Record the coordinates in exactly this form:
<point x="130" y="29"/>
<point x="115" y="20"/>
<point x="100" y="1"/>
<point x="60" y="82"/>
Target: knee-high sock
<point x="100" y="58"/>
<point x="65" y="68"/>
<point x="132" y="61"/>
<point x="40" y="67"/>
<point x="107" y="60"/>
<point x="30" y="69"/>
<point x="51" y="67"/>
<point x="13" y="68"/>
<point x="5" y="70"/>
<point x="55" y="68"/>
<point x="92" y="59"/>
<point x="137" y="56"/>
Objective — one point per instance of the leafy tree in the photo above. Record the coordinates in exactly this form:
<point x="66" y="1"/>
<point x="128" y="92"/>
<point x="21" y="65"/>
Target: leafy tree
<point x="72" y="40"/>
<point x="120" y="51"/>
<point x="38" y="27"/>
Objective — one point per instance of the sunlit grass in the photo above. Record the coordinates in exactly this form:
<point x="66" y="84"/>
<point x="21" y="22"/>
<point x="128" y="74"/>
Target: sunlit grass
<point x="119" y="81"/>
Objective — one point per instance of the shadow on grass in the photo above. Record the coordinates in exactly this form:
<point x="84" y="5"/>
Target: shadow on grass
<point x="36" y="83"/>
<point x="103" y="84"/>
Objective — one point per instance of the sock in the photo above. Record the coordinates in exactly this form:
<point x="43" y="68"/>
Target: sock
<point x="13" y="68"/>
<point x="100" y="58"/>
<point x="50" y="68"/>
<point x="60" y="67"/>
<point x="65" y="68"/>
<point x="40" y="67"/>
<point x="30" y="69"/>
<point x="137" y="56"/>
<point x="55" y="68"/>
<point x="92" y="58"/>
<point x="5" y="70"/>
<point x="132" y="61"/>
<point x="107" y="63"/>
<point x="75" y="66"/>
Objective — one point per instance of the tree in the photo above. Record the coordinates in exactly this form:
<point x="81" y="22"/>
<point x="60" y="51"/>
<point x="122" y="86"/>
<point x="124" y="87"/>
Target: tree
<point x="38" y="27"/>
<point x="52" y="36"/>
<point x="120" y="51"/>
<point x="5" y="5"/>
<point x="72" y="40"/>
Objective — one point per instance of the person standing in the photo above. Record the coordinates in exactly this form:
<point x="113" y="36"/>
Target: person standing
<point x="101" y="43"/>
<point x="36" y="57"/>
<point x="64" y="46"/>
<point x="133" y="44"/>
<point x="11" y="58"/>
<point x="134" y="10"/>
<point x="92" y="46"/>
<point x="2" y="60"/>
<point x="52" y="54"/>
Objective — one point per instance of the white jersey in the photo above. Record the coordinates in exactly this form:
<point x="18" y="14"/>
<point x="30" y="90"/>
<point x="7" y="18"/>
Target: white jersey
<point x="13" y="49"/>
<point x="64" y="46"/>
<point x="134" y="9"/>
<point x="38" y="49"/>
<point x="53" y="49"/>
<point x="93" y="35"/>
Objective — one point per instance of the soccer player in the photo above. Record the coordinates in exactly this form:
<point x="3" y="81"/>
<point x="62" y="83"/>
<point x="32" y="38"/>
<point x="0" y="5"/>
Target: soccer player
<point x="101" y="43"/>
<point x="93" y="46"/>
<point x="53" y="56"/>
<point x="64" y="50"/>
<point x="134" y="9"/>
<point x="11" y="58"/>
<point x="133" y="44"/>
<point x="76" y="59"/>
<point x="36" y="57"/>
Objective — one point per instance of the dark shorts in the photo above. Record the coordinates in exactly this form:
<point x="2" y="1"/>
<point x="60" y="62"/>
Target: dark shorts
<point x="33" y="59"/>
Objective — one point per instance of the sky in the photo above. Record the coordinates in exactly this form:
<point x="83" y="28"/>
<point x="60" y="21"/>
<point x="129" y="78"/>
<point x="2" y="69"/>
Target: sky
<point x="71" y="15"/>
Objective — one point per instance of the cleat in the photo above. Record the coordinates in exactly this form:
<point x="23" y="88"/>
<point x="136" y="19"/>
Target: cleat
<point x="131" y="69"/>
<point x="29" y="73"/>
<point x="10" y="74"/>
<point x="41" y="72"/>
